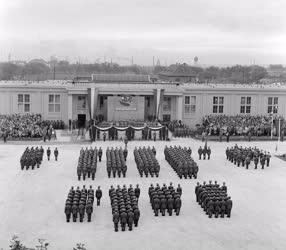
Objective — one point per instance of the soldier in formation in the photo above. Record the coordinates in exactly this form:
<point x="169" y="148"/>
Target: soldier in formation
<point x="183" y="132"/>
<point x="115" y="162"/>
<point x="32" y="157"/>
<point x="165" y="198"/>
<point x="78" y="203"/>
<point x="124" y="204"/>
<point x="206" y="151"/>
<point x="181" y="161"/>
<point x="244" y="156"/>
<point x="146" y="161"/>
<point x="87" y="163"/>
<point x="213" y="199"/>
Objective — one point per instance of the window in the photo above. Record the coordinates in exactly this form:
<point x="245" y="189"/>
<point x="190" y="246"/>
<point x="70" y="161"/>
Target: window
<point x="54" y="103"/>
<point x="190" y="104"/>
<point x="218" y="102"/>
<point x="81" y="102"/>
<point x="167" y="104"/>
<point x="272" y="105"/>
<point x="245" y="105"/>
<point x="23" y="103"/>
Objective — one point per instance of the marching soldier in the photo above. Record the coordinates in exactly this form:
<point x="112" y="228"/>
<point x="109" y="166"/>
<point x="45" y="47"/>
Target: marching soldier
<point x="255" y="161"/>
<point x="163" y="205"/>
<point x="74" y="211"/>
<point x="56" y="153"/>
<point x="124" y="170"/>
<point x="104" y="136"/>
<point x="68" y="210"/>
<point x="154" y="150"/>
<point x="48" y="153"/>
<point x="170" y="204"/>
<point x="137" y="191"/>
<point x="123" y="216"/>
<point x="98" y="195"/>
<point x="89" y="210"/>
<point x="81" y="210"/>
<point x="99" y="154"/>
<point x="247" y="161"/>
<point x="208" y="152"/>
<point x="136" y="216"/>
<point x="116" y="220"/>
<point x="262" y="161"/>
<point x="156" y="205"/>
<point x="228" y="206"/>
<point x="125" y="153"/>
<point x="178" y="204"/>
<point x="268" y="156"/>
<point x="204" y="152"/>
<point x="130" y="219"/>
<point x="200" y="152"/>
<point x="179" y="190"/>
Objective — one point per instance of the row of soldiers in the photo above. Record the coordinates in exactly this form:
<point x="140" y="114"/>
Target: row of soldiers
<point x="116" y="162"/>
<point x="206" y="151"/>
<point x="213" y="199"/>
<point x="124" y="204"/>
<point x="181" y="161"/>
<point x="56" y="153"/>
<point x="87" y="162"/>
<point x="146" y="161"/>
<point x="244" y="156"/>
<point x="32" y="157"/>
<point x="183" y="132"/>
<point x="80" y="202"/>
<point x="165" y="198"/>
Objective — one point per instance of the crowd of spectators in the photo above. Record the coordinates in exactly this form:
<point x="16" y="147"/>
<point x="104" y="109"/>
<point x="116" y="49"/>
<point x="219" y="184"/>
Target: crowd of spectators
<point x="238" y="125"/>
<point x="24" y="126"/>
<point x="56" y="124"/>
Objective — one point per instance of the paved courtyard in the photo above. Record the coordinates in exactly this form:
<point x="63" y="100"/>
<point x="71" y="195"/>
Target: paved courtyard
<point x="32" y="202"/>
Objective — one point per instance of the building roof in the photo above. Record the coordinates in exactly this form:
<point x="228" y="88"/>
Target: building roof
<point x="120" y="78"/>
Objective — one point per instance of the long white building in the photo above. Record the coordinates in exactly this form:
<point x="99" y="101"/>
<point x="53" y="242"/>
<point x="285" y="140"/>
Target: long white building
<point x="135" y="97"/>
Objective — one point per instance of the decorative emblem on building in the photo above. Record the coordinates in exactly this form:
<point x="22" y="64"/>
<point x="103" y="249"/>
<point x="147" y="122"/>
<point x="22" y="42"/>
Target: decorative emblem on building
<point x="126" y="100"/>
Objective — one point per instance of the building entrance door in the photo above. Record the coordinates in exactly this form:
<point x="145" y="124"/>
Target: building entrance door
<point x="166" y="118"/>
<point x="81" y="120"/>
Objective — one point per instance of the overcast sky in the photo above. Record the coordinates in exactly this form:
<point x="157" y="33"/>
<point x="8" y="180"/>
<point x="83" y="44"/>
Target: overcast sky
<point x="217" y="31"/>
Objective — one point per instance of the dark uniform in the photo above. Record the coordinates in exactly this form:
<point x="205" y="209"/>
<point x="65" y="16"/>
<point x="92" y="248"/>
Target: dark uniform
<point x="99" y="154"/>
<point x="48" y="153"/>
<point x="56" y="153"/>
<point x="200" y="152"/>
<point x="98" y="195"/>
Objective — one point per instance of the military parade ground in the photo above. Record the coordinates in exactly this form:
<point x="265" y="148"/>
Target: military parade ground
<point x="32" y="202"/>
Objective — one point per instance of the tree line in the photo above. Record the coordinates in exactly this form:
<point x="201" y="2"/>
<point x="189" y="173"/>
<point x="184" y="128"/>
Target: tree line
<point x="40" y="70"/>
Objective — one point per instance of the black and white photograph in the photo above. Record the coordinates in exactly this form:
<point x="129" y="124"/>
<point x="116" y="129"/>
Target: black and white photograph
<point x="142" y="125"/>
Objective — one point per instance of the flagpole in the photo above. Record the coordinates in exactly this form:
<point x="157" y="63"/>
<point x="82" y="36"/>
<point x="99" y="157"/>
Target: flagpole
<point x="272" y="124"/>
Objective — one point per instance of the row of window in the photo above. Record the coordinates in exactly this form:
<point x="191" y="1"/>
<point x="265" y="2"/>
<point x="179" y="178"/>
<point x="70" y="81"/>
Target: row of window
<point x="24" y="103"/>
<point x="189" y="104"/>
<point x="218" y="105"/>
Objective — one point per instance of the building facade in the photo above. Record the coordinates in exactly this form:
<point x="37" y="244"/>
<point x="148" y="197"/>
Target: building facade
<point x="132" y="97"/>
